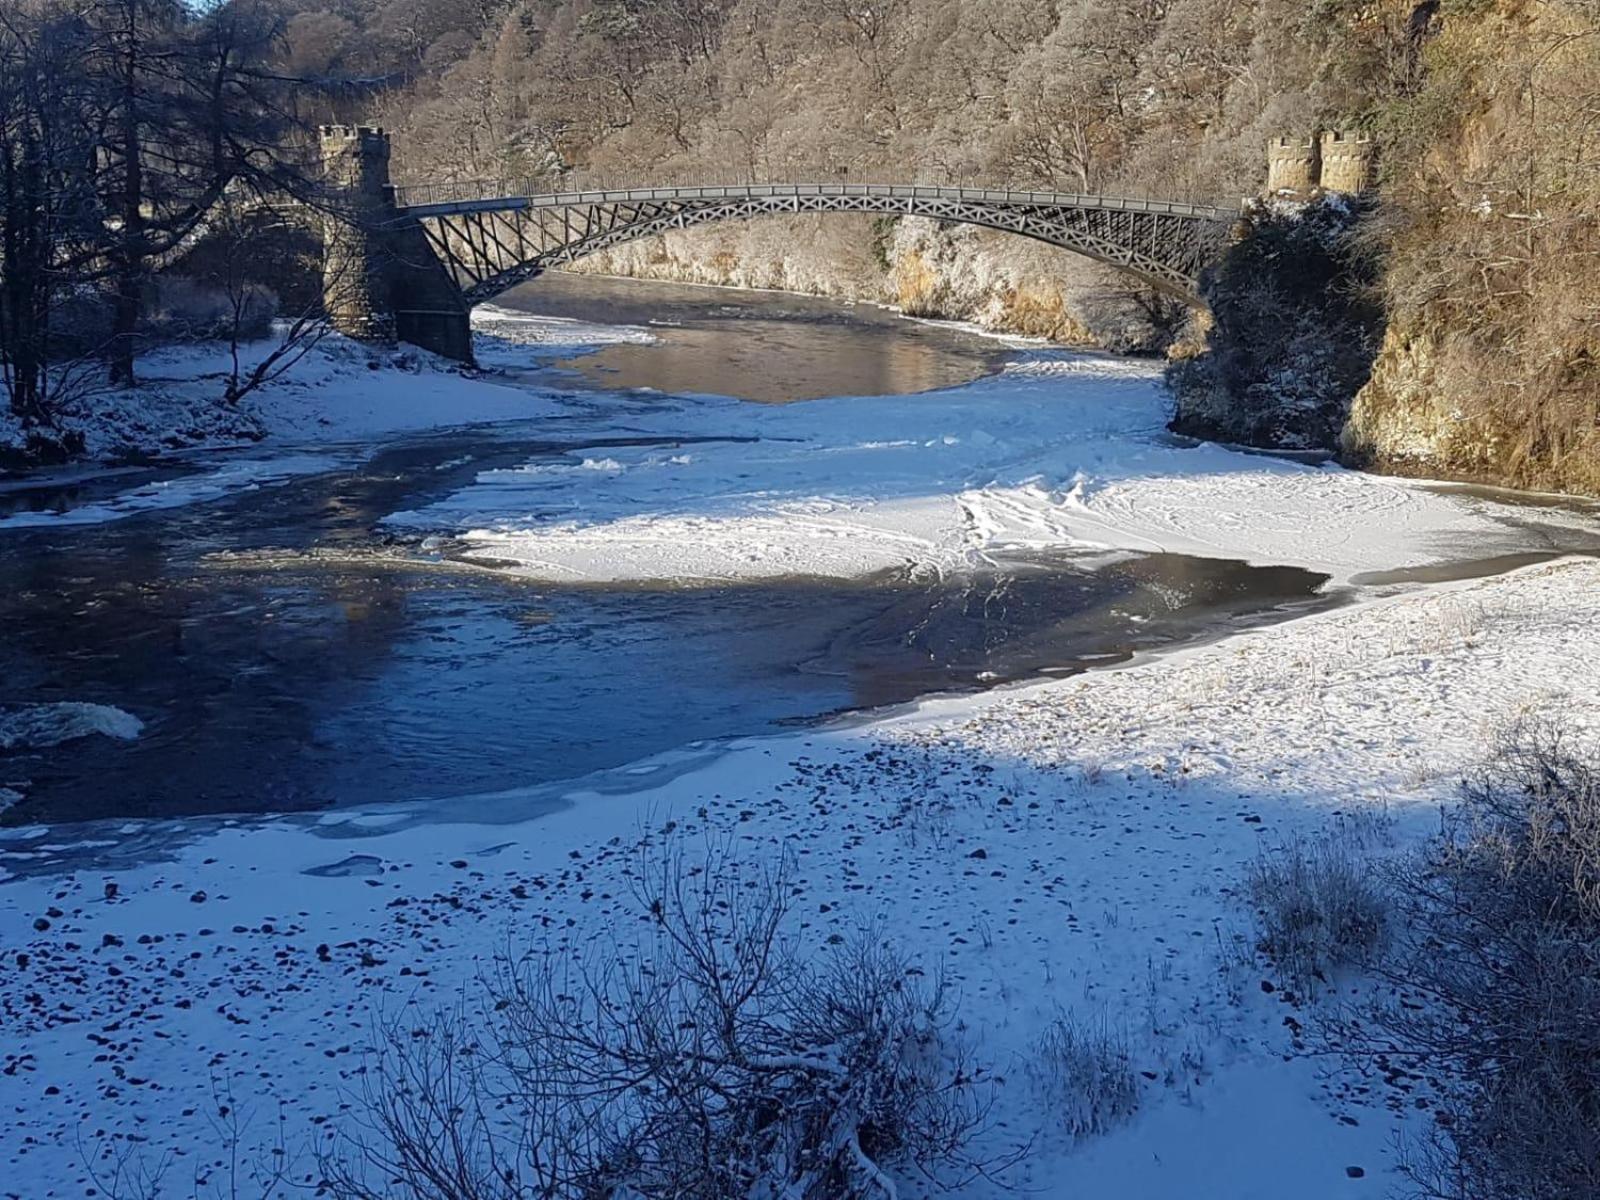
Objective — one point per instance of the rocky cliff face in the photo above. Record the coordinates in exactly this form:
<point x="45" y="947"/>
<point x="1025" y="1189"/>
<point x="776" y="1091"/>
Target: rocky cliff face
<point x="1489" y="367"/>
<point x="998" y="282"/>
<point x="1300" y="351"/>
<point x="1296" y="326"/>
<point x="1426" y="412"/>
<point x="1403" y="422"/>
<point x="1305" y="354"/>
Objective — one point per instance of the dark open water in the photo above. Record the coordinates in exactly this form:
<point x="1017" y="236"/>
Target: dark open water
<point x="286" y="655"/>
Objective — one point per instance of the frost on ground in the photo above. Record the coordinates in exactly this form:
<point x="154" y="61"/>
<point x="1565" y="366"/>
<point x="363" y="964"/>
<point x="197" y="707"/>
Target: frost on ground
<point x="340" y="391"/>
<point x="1075" y="851"/>
<point x="1061" y="452"/>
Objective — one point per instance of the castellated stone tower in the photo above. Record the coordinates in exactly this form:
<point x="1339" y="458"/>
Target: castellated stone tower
<point x="1349" y="161"/>
<point x="355" y="283"/>
<point x="1294" y="164"/>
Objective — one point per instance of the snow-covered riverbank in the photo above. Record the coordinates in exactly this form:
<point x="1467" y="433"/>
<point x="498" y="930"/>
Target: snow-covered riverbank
<point x="1072" y="847"/>
<point x="339" y="391"/>
<point x="326" y="412"/>
<point x="1061" y="452"/>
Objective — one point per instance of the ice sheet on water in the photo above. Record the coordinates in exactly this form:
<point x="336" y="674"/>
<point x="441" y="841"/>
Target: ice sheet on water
<point x="1058" y="453"/>
<point x="346" y="868"/>
<point x="537" y="329"/>
<point x="218" y="483"/>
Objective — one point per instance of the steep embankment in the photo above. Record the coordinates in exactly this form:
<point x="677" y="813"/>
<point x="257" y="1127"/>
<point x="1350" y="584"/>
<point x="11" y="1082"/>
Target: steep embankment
<point x="1295" y="328"/>
<point x="1455" y="331"/>
<point x="1490" y="368"/>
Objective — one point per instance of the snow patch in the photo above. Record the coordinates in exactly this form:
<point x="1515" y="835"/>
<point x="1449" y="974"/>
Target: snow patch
<point x="39" y="726"/>
<point x="341" y="391"/>
<point x="1072" y="847"/>
<point x="1060" y="453"/>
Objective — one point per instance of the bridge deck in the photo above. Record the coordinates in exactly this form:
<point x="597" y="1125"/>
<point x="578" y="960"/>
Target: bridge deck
<point x="449" y="199"/>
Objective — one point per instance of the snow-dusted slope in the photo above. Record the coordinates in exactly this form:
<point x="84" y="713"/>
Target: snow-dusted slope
<point x="1115" y="813"/>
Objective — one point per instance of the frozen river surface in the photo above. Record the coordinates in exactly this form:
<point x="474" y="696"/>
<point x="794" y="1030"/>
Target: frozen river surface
<point x="652" y="560"/>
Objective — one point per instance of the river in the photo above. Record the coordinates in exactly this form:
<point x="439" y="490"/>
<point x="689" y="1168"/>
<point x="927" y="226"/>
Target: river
<point x="288" y="651"/>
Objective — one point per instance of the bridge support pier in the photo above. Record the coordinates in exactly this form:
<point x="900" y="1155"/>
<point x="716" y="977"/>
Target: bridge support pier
<point x="381" y="281"/>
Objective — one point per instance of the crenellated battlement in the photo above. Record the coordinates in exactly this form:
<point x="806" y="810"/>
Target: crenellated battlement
<point x="1349" y="161"/>
<point x="352" y="133"/>
<point x="1294" y="164"/>
<point x="1330" y="160"/>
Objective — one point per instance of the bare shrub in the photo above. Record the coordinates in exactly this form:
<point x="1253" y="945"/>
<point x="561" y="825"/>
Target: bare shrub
<point x="1085" y="1076"/>
<point x="1499" y="962"/>
<point x="710" y="1061"/>
<point x="1319" y="904"/>
<point x="228" y="1167"/>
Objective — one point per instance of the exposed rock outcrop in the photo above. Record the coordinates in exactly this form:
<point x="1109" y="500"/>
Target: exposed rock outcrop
<point x="997" y="281"/>
<point x="1296" y="326"/>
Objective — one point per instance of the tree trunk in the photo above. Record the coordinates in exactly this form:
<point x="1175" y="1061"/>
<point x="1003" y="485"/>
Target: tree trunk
<point x="128" y="258"/>
<point x="23" y="286"/>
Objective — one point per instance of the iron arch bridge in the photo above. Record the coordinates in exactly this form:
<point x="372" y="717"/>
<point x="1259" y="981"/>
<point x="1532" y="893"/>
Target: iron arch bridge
<point x="489" y="238"/>
<point x="411" y="261"/>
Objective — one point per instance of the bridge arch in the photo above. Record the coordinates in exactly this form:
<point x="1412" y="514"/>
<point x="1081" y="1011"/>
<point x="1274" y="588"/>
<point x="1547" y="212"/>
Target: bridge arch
<point x="411" y="261"/>
<point x="489" y="243"/>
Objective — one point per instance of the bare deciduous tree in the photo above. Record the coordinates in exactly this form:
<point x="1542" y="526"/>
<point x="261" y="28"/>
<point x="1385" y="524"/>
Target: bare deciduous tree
<point x="49" y="213"/>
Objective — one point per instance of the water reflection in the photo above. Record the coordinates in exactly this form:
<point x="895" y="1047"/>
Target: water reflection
<point x="769" y="347"/>
<point x="285" y="657"/>
<point x="294" y="683"/>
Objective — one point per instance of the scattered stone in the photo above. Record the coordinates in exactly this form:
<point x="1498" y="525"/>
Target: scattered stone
<point x="356" y="864"/>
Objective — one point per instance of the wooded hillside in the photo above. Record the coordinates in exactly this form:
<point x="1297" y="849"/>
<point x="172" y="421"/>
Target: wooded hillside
<point x="1486" y="112"/>
<point x="1479" y="263"/>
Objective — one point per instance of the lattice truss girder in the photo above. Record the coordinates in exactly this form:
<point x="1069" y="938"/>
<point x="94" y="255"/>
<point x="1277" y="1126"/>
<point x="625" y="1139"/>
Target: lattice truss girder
<point x="491" y="248"/>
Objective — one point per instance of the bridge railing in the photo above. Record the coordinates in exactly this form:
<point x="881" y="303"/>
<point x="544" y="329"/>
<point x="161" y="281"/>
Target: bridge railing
<point x="465" y="195"/>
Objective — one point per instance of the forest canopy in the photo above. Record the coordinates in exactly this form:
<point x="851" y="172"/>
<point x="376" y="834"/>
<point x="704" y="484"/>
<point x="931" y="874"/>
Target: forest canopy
<point x="126" y="120"/>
